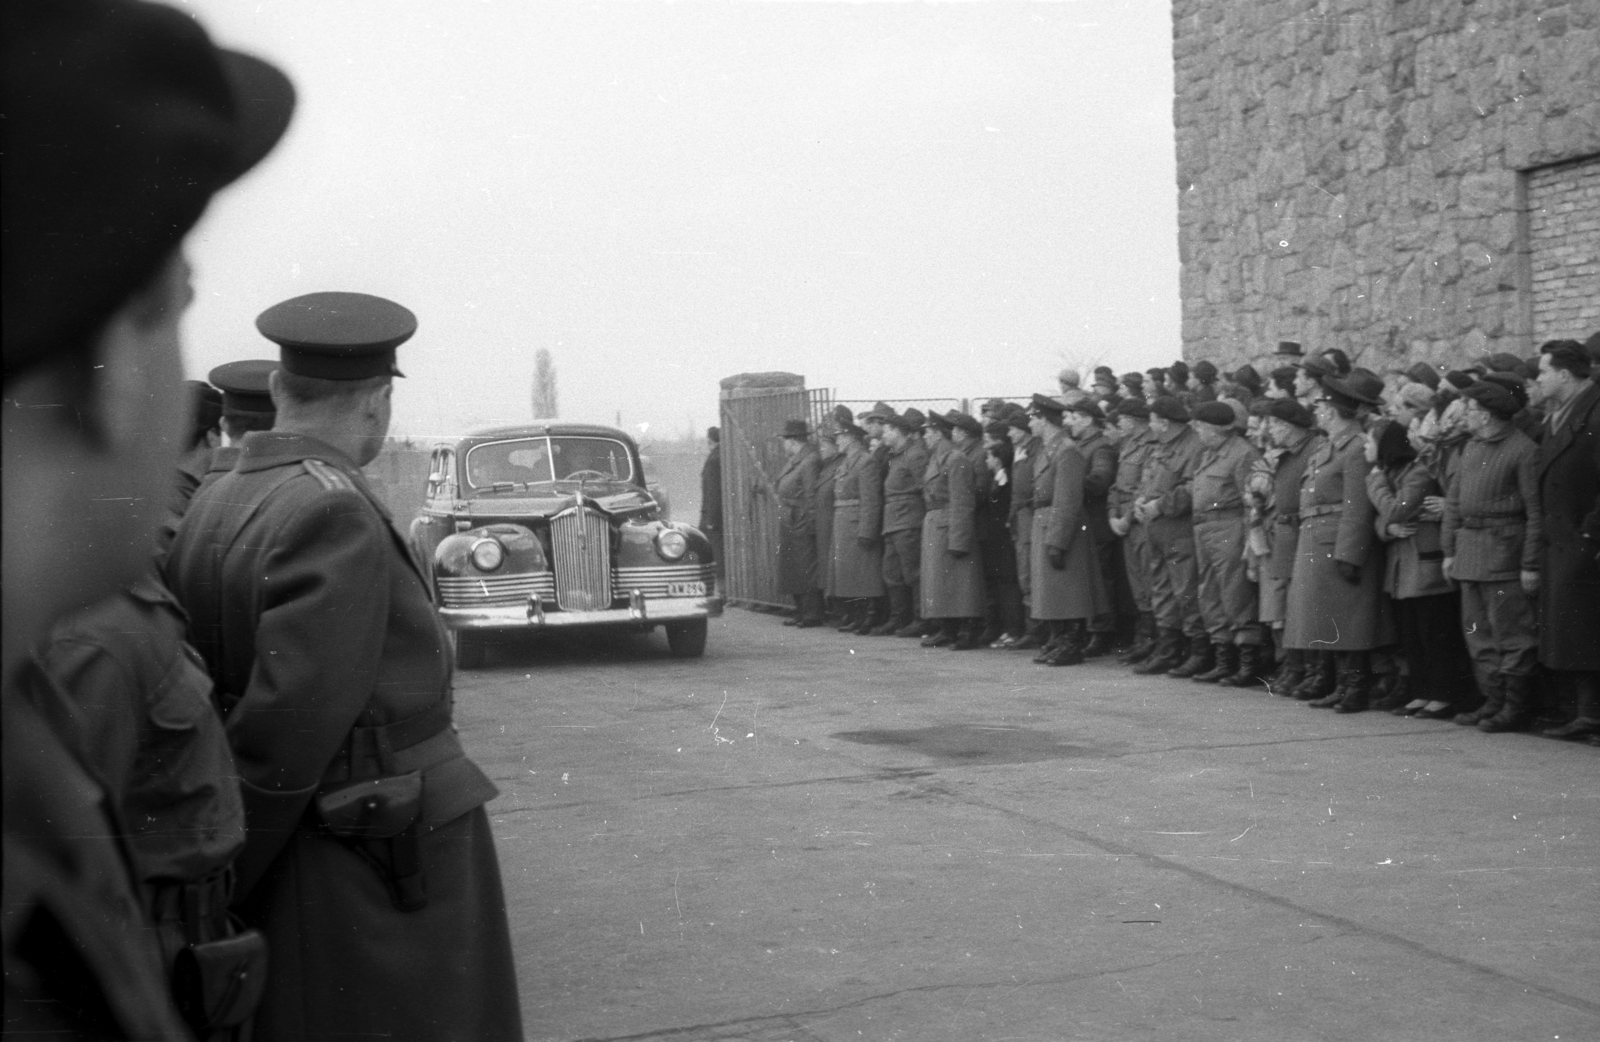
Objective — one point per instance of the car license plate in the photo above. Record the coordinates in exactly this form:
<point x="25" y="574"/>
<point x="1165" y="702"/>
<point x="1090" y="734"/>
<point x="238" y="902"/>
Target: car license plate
<point x="686" y="589"/>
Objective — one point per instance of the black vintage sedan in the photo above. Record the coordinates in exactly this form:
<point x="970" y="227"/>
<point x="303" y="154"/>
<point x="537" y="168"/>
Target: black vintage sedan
<point x="553" y="524"/>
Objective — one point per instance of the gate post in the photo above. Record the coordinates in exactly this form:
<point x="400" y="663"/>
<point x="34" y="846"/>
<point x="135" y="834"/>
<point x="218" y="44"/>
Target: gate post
<point x="753" y="409"/>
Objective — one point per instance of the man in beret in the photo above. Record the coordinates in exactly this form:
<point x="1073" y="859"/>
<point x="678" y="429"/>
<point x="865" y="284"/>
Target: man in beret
<point x="1226" y="593"/>
<point x="1569" y="494"/>
<point x="1205" y="381"/>
<point x="1163" y="505"/>
<point x="1492" y="538"/>
<point x="1134" y="448"/>
<point x="333" y="673"/>
<point x="907" y="462"/>
<point x="122" y="121"/>
<point x="1082" y="422"/>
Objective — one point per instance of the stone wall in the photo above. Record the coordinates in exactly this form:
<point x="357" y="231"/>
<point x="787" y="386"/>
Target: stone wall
<point x="1355" y="174"/>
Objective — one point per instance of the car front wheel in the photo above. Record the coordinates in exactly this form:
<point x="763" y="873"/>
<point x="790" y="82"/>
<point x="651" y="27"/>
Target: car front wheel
<point x="687" y="639"/>
<point x="469" y="651"/>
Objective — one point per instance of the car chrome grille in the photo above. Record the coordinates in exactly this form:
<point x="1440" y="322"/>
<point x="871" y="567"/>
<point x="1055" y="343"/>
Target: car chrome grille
<point x="580" y="541"/>
<point x="653" y="582"/>
<point x="489" y="591"/>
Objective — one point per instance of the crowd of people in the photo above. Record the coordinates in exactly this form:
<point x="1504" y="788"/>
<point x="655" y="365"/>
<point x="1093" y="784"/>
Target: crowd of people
<point x="1424" y="542"/>
<point x="235" y="803"/>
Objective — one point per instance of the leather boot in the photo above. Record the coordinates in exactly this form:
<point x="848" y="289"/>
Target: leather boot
<point x="915" y="625"/>
<point x="944" y="633"/>
<point x="1319" y="681"/>
<point x="799" y="610"/>
<point x="1357" y="687"/>
<point x="1494" y="698"/>
<point x="1225" y="658"/>
<point x="1099" y="643"/>
<point x="1069" y="649"/>
<point x="899" y="612"/>
<point x="1054" y="630"/>
<point x="1033" y="638"/>
<point x="1144" y="640"/>
<point x="1251" y="660"/>
<point x="852" y="616"/>
<point x="1201" y="658"/>
<point x="872" y="612"/>
<point x="1587" y="722"/>
<point x="1290" y="675"/>
<point x="1391" y="693"/>
<point x="810" y="611"/>
<point x="970" y="636"/>
<point x="1168" y="652"/>
<point x="1516" y="711"/>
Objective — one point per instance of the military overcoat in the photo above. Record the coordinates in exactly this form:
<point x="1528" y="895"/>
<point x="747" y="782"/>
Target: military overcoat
<point x="799" y="571"/>
<point x="1326" y="613"/>
<point x="1076" y="591"/>
<point x="1569" y="485"/>
<point x="1278" y="567"/>
<point x="858" y="515"/>
<point x="827" y="469"/>
<point x="952" y="585"/>
<point x="319" y="633"/>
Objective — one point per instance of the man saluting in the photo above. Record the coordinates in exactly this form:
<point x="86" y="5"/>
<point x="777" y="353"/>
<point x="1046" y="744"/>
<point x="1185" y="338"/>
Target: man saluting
<point x="368" y="862"/>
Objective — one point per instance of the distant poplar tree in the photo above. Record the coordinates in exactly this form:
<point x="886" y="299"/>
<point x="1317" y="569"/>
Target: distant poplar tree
<point x="544" y="386"/>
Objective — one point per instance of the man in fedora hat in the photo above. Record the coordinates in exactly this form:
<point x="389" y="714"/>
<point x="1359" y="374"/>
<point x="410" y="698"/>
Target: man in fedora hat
<point x="799" y="571"/>
<point x="333" y="673"/>
<point x="122" y="121"/>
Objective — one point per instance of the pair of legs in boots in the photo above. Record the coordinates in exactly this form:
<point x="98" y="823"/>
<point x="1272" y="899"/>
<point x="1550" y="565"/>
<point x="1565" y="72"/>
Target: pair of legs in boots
<point x="1064" y="642"/>
<point x="809" y="610"/>
<point x="1507" y="703"/>
<point x="902" y="620"/>
<point x="1352" y="682"/>
<point x="1240" y="662"/>
<point x="1585" y="687"/>
<point x="955" y="634"/>
<point x="862" y="615"/>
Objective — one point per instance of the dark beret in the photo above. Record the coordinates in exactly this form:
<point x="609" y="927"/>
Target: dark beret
<point x="1104" y="370"/>
<point x="1170" y="408"/>
<point x="122" y="120"/>
<point x="1133" y="380"/>
<point x="1205" y="371"/>
<point x="796" y="429"/>
<point x="1043" y="404"/>
<point x="1105" y="379"/>
<point x="1423" y="373"/>
<point x="997" y="428"/>
<point x="1503" y="362"/>
<point x="1135" y="407"/>
<point x="1291" y="411"/>
<point x="1214" y="413"/>
<point x="1457" y="379"/>
<point x="912" y="419"/>
<point x="1179" y="370"/>
<point x="1513" y="383"/>
<point x="338" y="336"/>
<point x="1261" y="406"/>
<point x="968" y="423"/>
<point x="1087" y="406"/>
<point x="245" y="386"/>
<point x="1494" y="396"/>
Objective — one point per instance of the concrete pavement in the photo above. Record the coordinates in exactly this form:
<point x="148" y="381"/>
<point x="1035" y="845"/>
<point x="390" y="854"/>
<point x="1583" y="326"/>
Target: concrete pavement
<point x="807" y="836"/>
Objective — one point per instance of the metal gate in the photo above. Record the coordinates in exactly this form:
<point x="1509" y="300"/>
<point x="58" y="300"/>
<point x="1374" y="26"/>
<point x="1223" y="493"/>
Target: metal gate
<point x="755" y="406"/>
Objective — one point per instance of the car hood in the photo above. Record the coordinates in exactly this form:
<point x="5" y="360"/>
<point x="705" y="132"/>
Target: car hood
<point x="523" y="504"/>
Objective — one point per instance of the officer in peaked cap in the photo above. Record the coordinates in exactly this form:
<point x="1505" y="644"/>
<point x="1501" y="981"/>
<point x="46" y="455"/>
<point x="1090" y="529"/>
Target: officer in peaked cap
<point x="905" y="463"/>
<point x="247" y="404"/>
<point x="345" y="688"/>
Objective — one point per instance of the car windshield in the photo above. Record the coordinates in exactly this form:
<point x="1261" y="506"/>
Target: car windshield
<point x="529" y="461"/>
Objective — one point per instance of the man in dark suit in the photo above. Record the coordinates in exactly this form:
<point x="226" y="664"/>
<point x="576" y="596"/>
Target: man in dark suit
<point x="368" y="861"/>
<point x="711" y="494"/>
<point x="1569" y="488"/>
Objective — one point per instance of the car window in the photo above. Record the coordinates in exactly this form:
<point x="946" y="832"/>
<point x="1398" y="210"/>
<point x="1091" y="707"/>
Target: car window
<point x="527" y="461"/>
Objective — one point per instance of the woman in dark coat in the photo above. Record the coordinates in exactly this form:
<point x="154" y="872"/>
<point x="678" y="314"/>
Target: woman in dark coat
<point x="1336" y="600"/>
<point x="796" y="488"/>
<point x="1427" y="606"/>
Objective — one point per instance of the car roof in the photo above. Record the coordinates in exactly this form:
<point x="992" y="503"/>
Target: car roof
<point x="553" y="427"/>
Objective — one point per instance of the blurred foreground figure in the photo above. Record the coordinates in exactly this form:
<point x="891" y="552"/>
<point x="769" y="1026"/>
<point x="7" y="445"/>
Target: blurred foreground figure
<point x="368" y="861"/>
<point x="121" y="120"/>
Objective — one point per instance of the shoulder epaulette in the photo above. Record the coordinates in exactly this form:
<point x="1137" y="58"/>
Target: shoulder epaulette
<point x="330" y="477"/>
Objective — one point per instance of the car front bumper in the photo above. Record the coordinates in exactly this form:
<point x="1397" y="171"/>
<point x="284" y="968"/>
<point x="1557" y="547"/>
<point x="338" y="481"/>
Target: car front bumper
<point x="641" y="611"/>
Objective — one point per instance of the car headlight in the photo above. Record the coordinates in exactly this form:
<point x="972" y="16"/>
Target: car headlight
<point x="488" y="554"/>
<point x="671" y="544"/>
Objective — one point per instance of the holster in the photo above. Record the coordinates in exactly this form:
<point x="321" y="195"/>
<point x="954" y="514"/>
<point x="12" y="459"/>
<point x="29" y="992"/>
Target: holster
<point x="218" y="984"/>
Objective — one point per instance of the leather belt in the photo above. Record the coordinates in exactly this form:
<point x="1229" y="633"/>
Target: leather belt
<point x="366" y="749"/>
<point x="1218" y="514"/>
<point x="1516" y="520"/>
<point x="1321" y="511"/>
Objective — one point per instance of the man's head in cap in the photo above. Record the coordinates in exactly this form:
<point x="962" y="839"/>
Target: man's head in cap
<point x="1213" y="422"/>
<point x="337" y="355"/>
<point x="1178" y="375"/>
<point x="247" y="404"/>
<point x="1157" y="382"/>
<point x="1288" y="422"/>
<point x="963" y="428"/>
<point x="1131" y="415"/>
<point x="1205" y="371"/>
<point x="1411" y="401"/>
<point x="843" y="417"/>
<point x="1045" y="415"/>
<point x="121" y="122"/>
<point x="1564" y="370"/>
<point x="1019" y="427"/>
<point x="1246" y="378"/>
<point x="1490" y="405"/>
<point x="1168" y="413"/>
<point x="1134" y="382"/>
<point x="1082" y="416"/>
<point x="1283" y="382"/>
<point x="1423" y="373"/>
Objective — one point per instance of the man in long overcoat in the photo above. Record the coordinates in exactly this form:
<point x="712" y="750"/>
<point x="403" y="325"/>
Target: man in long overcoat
<point x="1290" y="430"/>
<point x="1082" y="421"/>
<point x="858" y="530"/>
<point x="902" y="523"/>
<point x="711" y="494"/>
<point x="1067" y="586"/>
<point x="952" y="566"/>
<point x="333" y="672"/>
<point x="799" y="571"/>
<point x="1569" y="489"/>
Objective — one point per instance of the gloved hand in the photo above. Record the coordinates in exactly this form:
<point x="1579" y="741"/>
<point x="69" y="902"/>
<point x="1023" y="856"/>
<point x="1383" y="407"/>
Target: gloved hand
<point x="1058" y="557"/>
<point x="1350" y="573"/>
<point x="959" y="554"/>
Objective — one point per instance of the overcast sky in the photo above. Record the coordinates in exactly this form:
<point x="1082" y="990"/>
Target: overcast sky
<point x="892" y="199"/>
